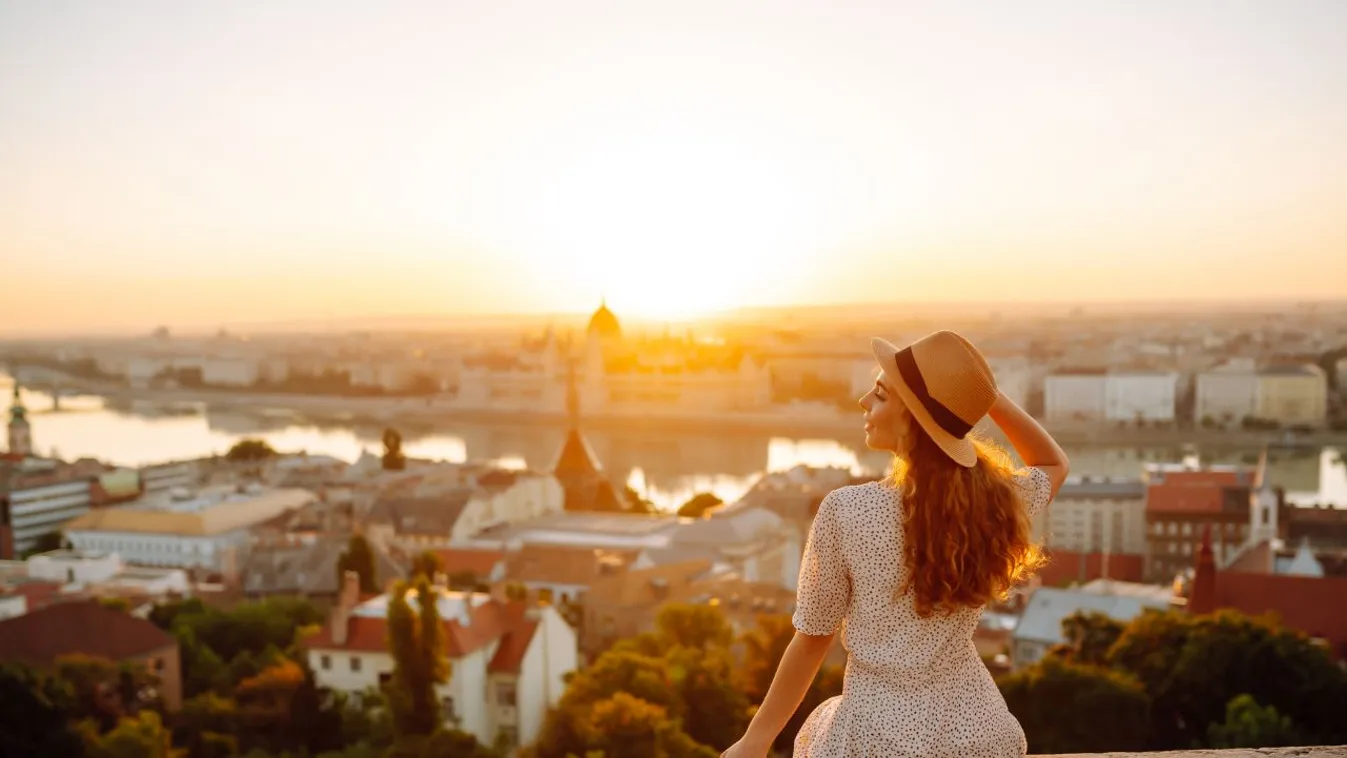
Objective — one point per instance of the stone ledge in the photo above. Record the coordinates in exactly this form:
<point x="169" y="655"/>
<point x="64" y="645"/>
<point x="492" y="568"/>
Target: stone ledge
<point x="1326" y="751"/>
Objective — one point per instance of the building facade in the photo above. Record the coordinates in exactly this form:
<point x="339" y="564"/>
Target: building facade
<point x="1075" y="396"/>
<point x="1293" y="396"/>
<point x="1135" y="397"/>
<point x="1226" y="395"/>
<point x="1183" y="504"/>
<point x="509" y="662"/>
<point x="205" y="530"/>
<point x="1096" y="515"/>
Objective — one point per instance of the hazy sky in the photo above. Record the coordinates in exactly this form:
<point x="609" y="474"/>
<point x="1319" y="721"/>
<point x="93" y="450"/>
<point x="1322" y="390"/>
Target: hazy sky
<point x="202" y="163"/>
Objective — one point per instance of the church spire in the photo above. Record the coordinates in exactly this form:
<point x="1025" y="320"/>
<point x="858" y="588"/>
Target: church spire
<point x="572" y="396"/>
<point x="20" y="436"/>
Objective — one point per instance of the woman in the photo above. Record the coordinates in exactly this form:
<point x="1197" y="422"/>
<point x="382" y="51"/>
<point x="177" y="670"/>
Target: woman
<point x="905" y="566"/>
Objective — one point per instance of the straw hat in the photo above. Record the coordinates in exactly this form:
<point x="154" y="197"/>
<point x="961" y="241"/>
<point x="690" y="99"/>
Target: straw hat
<point x="946" y="384"/>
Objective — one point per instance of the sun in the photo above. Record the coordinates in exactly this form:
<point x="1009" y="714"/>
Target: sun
<point x="660" y="225"/>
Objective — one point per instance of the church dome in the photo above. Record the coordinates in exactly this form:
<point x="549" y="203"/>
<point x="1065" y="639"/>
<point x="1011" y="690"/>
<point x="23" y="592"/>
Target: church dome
<point x="604" y="324"/>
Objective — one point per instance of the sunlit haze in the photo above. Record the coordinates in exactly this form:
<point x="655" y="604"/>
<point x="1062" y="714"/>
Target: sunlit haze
<point x="197" y="164"/>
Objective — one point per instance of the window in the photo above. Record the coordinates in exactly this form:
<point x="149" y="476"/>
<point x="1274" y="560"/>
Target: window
<point x="355" y="663"/>
<point x="506" y="694"/>
<point x="325" y="662"/>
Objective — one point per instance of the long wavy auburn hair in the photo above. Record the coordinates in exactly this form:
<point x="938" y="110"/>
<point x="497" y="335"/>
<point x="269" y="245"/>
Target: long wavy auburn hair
<point x="966" y="533"/>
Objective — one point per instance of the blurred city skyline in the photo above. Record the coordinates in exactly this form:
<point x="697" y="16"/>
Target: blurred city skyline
<point x="201" y="165"/>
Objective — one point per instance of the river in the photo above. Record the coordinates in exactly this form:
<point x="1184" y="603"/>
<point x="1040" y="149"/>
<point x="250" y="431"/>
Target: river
<point x="667" y="467"/>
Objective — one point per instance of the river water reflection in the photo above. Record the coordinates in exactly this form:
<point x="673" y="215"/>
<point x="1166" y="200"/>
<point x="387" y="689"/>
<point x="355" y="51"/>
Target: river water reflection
<point x="668" y="468"/>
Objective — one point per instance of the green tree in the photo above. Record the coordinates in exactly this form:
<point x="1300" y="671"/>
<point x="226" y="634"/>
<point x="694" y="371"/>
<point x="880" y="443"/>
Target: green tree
<point x="636" y="503"/>
<point x="1247" y="724"/>
<point x="1071" y="708"/>
<point x="698" y="505"/>
<point x="568" y="730"/>
<point x="1193" y="666"/>
<point x="207" y="712"/>
<point x="623" y="726"/>
<point x="45" y="543"/>
<point x="426" y="564"/>
<point x="358" y="557"/>
<point x="31" y="721"/>
<point x="104" y="691"/>
<point x="683" y="670"/>
<point x="142" y="736"/>
<point x="202" y="669"/>
<point x="694" y="626"/>
<point x="1089" y="637"/>
<point x="764" y="645"/>
<point x="416" y="643"/>
<point x="715" y="709"/>
<point x="393" y="459"/>
<point x="250" y="451"/>
<point x="253" y="627"/>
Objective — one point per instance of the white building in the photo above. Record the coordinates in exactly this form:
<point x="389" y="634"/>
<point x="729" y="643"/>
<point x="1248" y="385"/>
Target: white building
<point x="104" y="572"/>
<point x="509" y="661"/>
<point x="183" y="529"/>
<point x="73" y="567"/>
<point x="1140" y="396"/>
<point x="1075" y="395"/>
<point x="44" y="497"/>
<point x="159" y="477"/>
<point x="1227" y="394"/>
<point x="1096" y="515"/>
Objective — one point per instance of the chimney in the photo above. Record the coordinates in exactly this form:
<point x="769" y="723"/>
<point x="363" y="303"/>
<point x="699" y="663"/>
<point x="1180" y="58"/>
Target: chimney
<point x="347" y="597"/>
<point x="1202" y="598"/>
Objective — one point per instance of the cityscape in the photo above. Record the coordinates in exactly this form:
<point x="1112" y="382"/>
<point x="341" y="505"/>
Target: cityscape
<point x="521" y="454"/>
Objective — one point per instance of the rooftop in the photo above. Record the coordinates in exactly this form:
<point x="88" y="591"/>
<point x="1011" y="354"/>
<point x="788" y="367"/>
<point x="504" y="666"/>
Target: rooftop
<point x="45" y="634"/>
<point x="1300" y="369"/>
<point x="1119" y="489"/>
<point x="1042" y="618"/>
<point x="212" y="512"/>
<point x="588" y="529"/>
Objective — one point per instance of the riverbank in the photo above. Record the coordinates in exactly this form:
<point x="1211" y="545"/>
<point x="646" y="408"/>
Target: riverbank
<point x="434" y="411"/>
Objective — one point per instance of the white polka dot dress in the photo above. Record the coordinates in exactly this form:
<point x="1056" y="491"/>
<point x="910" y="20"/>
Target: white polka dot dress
<point x="914" y="686"/>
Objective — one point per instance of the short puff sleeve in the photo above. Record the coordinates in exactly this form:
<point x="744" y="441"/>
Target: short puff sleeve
<point x="1035" y="489"/>
<point x="824" y="590"/>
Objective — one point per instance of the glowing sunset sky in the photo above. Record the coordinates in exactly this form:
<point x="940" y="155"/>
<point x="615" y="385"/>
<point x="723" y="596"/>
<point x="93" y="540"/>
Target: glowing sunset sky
<point x="204" y="163"/>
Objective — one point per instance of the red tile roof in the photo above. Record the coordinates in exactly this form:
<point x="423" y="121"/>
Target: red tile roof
<point x="488" y="622"/>
<point x="510" y="655"/>
<point x="1313" y="605"/>
<point x="1064" y="567"/>
<point x="37" y="593"/>
<point x="479" y="562"/>
<point x="43" y="635"/>
<point x="1194" y="496"/>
